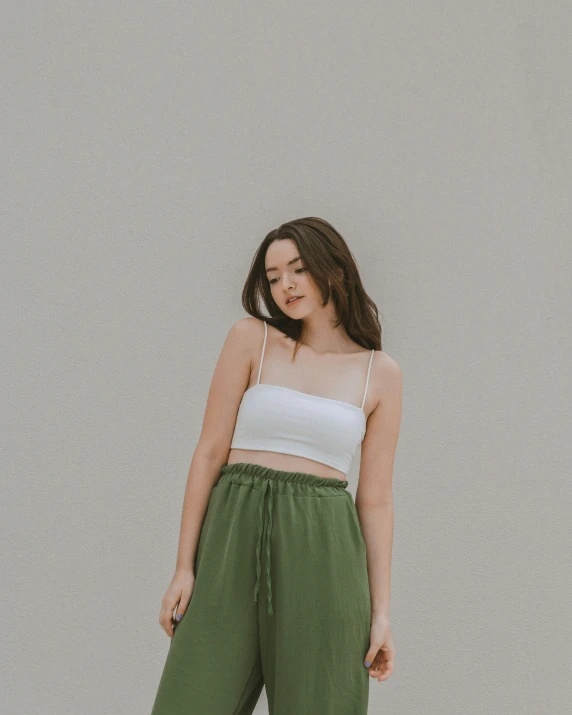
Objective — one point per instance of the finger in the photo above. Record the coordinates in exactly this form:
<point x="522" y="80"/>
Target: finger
<point x="377" y="660"/>
<point x="377" y="671"/>
<point x="387" y="671"/>
<point x="170" y="607"/>
<point x="167" y="615"/>
<point x="375" y="668"/>
<point x="378" y="665"/>
<point x="169" y="604"/>
<point x="166" y="624"/>
<point x="183" y="605"/>
<point x="371" y="655"/>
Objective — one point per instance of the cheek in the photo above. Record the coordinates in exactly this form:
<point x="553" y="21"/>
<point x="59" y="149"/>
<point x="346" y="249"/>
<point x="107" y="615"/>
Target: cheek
<point x="309" y="288"/>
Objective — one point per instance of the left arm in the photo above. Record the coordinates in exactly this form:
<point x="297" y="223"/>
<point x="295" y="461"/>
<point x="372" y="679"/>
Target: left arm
<point x="374" y="496"/>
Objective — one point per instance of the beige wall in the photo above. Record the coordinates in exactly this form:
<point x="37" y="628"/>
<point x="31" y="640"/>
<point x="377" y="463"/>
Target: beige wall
<point x="147" y="149"/>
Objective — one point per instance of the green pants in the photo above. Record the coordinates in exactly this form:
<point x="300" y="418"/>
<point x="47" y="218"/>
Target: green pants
<point x="281" y="600"/>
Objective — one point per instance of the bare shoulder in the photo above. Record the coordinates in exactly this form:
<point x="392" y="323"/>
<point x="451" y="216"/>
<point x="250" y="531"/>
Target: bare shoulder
<point x="385" y="365"/>
<point x="239" y="352"/>
<point x="246" y="332"/>
<point x="386" y="376"/>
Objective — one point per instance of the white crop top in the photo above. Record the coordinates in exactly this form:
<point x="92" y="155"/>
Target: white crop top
<point x="273" y="418"/>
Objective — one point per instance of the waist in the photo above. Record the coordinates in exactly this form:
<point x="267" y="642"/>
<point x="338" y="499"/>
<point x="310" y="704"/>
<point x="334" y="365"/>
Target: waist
<point x="285" y="462"/>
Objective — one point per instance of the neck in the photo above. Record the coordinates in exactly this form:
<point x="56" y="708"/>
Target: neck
<point x="321" y="336"/>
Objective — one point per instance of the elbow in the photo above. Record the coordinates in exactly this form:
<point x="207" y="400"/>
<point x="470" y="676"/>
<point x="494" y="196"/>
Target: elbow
<point x="212" y="452"/>
<point x="383" y="502"/>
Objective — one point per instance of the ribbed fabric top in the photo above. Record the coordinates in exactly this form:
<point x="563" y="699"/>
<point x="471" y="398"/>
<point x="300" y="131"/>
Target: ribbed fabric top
<point x="278" y="419"/>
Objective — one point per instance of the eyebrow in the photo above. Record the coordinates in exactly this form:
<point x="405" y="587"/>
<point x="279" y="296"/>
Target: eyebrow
<point x="273" y="268"/>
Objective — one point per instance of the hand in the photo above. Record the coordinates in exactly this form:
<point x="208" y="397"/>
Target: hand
<point x="381" y="653"/>
<point x="178" y="595"/>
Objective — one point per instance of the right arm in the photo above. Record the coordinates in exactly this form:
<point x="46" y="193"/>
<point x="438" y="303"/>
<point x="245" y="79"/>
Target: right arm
<point x="230" y="380"/>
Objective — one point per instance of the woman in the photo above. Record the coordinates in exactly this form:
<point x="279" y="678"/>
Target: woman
<point x="279" y="583"/>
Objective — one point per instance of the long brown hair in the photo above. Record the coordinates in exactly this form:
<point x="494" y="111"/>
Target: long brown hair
<point x="328" y="259"/>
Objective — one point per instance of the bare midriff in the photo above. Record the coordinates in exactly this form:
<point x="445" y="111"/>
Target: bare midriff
<point x="285" y="462"/>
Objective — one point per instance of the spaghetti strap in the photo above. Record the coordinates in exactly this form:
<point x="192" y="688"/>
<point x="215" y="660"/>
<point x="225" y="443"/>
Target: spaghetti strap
<point x="263" y="348"/>
<point x="367" y="379"/>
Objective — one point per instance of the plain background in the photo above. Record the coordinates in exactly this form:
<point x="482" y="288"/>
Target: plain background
<point x="147" y="148"/>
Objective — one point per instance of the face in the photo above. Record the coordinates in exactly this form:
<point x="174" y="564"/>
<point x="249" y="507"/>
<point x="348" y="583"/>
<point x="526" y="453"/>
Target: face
<point x="288" y="277"/>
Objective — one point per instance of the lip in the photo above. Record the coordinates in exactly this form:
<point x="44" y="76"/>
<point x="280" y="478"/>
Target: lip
<point x="296" y="301"/>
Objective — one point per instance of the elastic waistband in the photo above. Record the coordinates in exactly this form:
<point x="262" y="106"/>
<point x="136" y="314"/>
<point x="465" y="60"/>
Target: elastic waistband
<point x="284" y="481"/>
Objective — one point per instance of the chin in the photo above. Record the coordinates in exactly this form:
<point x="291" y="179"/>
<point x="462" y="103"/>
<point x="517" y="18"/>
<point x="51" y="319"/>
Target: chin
<point x="299" y="314"/>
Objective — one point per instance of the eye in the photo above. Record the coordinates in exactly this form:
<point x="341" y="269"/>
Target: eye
<point x="298" y="270"/>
